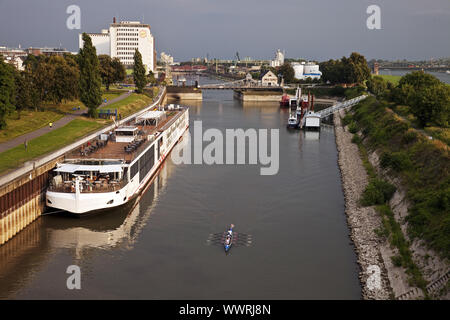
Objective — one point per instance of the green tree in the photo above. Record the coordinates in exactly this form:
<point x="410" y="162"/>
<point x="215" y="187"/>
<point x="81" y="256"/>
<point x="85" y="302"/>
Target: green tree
<point x="151" y="78"/>
<point x="418" y="79"/>
<point x="24" y="91"/>
<point x="63" y="83"/>
<point x="90" y="80"/>
<point x="288" y="72"/>
<point x="31" y="77"/>
<point x="353" y="69"/>
<point x="7" y="90"/>
<point x="431" y="104"/>
<point x="377" y="85"/>
<point x="140" y="79"/>
<point x="106" y="70"/>
<point x="360" y="69"/>
<point x="119" y="70"/>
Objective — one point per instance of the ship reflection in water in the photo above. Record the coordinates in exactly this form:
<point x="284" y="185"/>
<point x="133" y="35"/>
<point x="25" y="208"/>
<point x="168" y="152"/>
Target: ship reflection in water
<point x="30" y="250"/>
<point x="117" y="228"/>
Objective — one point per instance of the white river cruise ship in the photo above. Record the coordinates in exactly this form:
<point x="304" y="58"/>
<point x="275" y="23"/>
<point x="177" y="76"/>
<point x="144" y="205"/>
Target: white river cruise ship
<point x="112" y="170"/>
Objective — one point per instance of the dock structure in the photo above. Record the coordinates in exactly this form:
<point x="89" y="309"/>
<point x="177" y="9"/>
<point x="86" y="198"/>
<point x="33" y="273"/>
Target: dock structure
<point x="22" y="191"/>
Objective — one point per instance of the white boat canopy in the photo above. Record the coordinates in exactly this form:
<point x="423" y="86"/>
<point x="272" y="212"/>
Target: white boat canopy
<point x="126" y="129"/>
<point x="71" y="168"/>
<point x="151" y="117"/>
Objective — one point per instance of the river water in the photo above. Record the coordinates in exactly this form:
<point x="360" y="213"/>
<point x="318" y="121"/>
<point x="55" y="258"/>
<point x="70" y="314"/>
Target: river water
<point x="158" y="250"/>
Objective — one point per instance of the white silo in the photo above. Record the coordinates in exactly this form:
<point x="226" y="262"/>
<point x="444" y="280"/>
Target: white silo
<point x="298" y="69"/>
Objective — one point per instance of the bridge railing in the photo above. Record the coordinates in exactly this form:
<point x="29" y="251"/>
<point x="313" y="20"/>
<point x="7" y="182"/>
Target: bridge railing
<point x="341" y="105"/>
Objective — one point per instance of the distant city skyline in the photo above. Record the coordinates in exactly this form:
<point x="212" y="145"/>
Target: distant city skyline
<point x="319" y="30"/>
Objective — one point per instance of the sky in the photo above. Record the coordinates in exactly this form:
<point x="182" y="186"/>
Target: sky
<point x="309" y="29"/>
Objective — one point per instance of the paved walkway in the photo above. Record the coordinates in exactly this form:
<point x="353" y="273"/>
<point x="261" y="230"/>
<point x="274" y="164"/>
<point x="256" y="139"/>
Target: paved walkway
<point x="121" y="97"/>
<point x="58" y="124"/>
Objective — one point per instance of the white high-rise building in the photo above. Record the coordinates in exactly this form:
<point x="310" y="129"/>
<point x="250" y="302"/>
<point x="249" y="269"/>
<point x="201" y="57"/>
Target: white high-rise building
<point x="121" y="41"/>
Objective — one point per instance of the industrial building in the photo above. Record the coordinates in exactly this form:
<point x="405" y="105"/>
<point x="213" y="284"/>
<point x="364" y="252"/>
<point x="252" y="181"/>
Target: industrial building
<point x="122" y="39"/>
<point x="306" y="70"/>
<point x="279" y="59"/>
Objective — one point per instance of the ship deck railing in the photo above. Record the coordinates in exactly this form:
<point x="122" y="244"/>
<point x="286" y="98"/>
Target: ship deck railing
<point x="88" y="186"/>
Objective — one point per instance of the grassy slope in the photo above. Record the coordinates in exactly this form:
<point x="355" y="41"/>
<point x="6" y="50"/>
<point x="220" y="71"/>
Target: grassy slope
<point x="422" y="165"/>
<point x="29" y="121"/>
<point x="46" y="143"/>
<point x="130" y="104"/>
<point x="391" y="78"/>
<point x="32" y="120"/>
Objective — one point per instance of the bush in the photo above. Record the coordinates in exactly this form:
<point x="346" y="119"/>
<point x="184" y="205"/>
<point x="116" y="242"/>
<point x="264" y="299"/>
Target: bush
<point x="409" y="137"/>
<point x="347" y="119"/>
<point x="353" y="128"/>
<point x="382" y="232"/>
<point x="377" y="192"/>
<point x="397" y="261"/>
<point x="398" y="161"/>
<point x="356" y="139"/>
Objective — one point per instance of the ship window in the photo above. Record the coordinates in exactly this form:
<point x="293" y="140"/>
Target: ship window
<point x="110" y="201"/>
<point x="134" y="169"/>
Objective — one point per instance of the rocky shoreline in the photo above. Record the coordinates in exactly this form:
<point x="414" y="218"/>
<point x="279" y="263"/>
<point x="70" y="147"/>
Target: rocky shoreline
<point x="374" y="254"/>
<point x="362" y="221"/>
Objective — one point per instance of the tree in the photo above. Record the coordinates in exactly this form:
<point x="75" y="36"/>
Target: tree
<point x="360" y="69"/>
<point x="377" y="85"/>
<point x="353" y="69"/>
<point x="288" y="72"/>
<point x="418" y="79"/>
<point x="24" y="94"/>
<point x="412" y="82"/>
<point x="106" y="70"/>
<point x="63" y="84"/>
<point x="140" y="80"/>
<point x="90" y="80"/>
<point x="30" y="76"/>
<point x="7" y="90"/>
<point x="119" y="70"/>
<point x="151" y="78"/>
<point x="431" y="104"/>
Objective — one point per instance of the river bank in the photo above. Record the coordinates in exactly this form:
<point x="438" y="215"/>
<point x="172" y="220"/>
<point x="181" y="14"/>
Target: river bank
<point x="373" y="249"/>
<point x="362" y="221"/>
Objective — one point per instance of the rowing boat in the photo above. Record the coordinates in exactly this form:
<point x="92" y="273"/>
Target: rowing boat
<point x="228" y="238"/>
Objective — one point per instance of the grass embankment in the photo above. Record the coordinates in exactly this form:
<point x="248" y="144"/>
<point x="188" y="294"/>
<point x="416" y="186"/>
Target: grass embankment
<point x="129" y="105"/>
<point x="391" y="78"/>
<point x="422" y="165"/>
<point x="48" y="142"/>
<point x="112" y="94"/>
<point x="31" y="120"/>
<point x="439" y="133"/>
